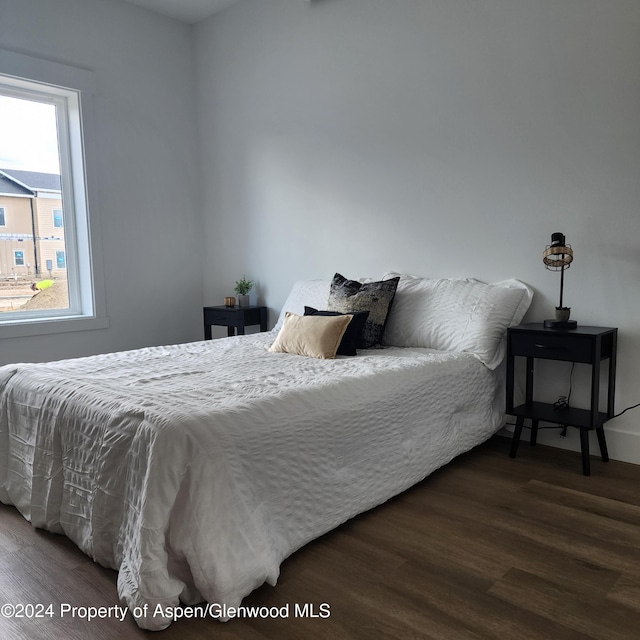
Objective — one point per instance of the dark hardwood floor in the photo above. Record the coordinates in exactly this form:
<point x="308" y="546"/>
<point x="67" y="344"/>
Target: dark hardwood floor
<point x="487" y="547"/>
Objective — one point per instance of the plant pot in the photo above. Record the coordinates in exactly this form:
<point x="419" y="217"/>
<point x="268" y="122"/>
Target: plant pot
<point x="243" y="301"/>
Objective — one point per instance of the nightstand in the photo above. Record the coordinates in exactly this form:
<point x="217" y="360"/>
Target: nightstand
<point x="233" y="318"/>
<point x="588" y="345"/>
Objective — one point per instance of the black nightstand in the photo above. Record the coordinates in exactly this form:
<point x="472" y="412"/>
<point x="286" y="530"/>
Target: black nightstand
<point x="233" y="318"/>
<point x="588" y="345"/>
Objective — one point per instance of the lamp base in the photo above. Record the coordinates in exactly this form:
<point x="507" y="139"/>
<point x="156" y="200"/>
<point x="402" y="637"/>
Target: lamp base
<point x="561" y="325"/>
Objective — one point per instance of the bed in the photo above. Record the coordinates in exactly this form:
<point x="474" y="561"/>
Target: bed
<point x="194" y="470"/>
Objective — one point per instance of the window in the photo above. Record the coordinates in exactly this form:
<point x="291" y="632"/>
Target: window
<point x="57" y="218"/>
<point x="3" y="218"/>
<point x="46" y="169"/>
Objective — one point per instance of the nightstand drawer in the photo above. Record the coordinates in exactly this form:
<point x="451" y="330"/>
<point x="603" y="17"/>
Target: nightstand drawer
<point x="550" y="346"/>
<point x="220" y="317"/>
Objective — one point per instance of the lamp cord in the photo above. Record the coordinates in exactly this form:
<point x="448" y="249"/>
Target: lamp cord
<point x="563" y="401"/>
<point x="633" y="406"/>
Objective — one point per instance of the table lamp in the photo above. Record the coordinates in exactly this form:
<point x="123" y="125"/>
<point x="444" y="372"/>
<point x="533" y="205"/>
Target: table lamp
<point x="558" y="256"/>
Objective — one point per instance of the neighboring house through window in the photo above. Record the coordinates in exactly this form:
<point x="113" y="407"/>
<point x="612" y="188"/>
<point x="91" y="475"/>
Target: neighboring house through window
<point x="35" y="198"/>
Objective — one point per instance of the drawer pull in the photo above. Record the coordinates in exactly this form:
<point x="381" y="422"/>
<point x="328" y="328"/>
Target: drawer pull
<point x="545" y="346"/>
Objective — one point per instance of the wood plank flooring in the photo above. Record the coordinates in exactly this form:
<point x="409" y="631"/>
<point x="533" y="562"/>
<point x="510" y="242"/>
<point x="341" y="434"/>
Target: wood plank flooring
<point x="487" y="547"/>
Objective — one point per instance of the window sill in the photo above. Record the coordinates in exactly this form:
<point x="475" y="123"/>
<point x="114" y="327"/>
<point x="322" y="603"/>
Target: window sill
<point x="45" y="326"/>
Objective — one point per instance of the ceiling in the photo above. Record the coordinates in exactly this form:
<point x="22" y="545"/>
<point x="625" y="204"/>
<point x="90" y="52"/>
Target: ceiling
<point x="189" y="11"/>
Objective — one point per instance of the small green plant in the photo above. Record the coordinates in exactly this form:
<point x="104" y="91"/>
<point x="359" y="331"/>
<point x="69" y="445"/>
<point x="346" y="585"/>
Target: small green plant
<point x="243" y="286"/>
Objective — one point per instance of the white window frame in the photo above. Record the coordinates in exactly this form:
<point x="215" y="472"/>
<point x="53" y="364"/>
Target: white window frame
<point x="64" y="259"/>
<point x="15" y="259"/>
<point x="71" y="89"/>
<point x="3" y="216"/>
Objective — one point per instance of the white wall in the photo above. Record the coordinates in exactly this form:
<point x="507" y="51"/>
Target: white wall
<point x="437" y="137"/>
<point x="145" y="138"/>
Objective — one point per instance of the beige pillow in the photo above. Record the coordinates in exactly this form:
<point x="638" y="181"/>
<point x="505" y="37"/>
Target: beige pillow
<point x="313" y="336"/>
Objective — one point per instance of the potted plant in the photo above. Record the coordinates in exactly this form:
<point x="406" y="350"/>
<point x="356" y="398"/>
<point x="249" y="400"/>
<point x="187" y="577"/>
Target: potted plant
<point x="242" y="288"/>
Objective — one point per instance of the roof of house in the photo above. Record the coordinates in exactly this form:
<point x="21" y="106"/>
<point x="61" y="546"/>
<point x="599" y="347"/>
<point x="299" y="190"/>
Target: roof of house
<point x="10" y="187"/>
<point x="34" y="180"/>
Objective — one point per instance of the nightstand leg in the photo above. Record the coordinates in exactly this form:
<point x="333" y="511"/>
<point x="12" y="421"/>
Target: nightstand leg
<point x="516" y="437"/>
<point x="584" y="445"/>
<point x="604" y="454"/>
<point x="534" y="433"/>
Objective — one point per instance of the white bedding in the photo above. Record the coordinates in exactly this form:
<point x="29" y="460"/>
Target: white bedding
<point x="195" y="470"/>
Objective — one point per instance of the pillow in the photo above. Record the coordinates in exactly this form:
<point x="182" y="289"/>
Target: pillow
<point x="456" y="315"/>
<point x="349" y="296"/>
<point x="349" y="341"/>
<point x="313" y="336"/>
<point x="314" y="293"/>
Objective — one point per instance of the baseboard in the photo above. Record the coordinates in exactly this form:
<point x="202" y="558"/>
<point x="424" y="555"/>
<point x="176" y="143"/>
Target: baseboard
<point x="622" y="446"/>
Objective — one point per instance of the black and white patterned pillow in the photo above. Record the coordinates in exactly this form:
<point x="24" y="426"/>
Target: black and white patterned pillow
<point x="349" y="296"/>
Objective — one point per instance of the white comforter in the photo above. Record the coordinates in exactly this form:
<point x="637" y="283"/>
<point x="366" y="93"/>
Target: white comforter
<point x="194" y="470"/>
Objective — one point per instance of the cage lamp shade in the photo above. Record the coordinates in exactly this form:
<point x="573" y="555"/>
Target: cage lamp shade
<point x="558" y="255"/>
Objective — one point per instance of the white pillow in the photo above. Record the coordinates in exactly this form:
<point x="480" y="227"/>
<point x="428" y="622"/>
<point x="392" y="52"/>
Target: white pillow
<point x="456" y="315"/>
<point x="310" y="293"/>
